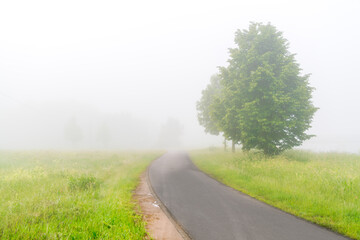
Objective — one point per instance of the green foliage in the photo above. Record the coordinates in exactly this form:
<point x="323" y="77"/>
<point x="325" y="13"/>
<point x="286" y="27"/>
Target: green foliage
<point x="264" y="102"/>
<point x="58" y="195"/>
<point x="321" y="187"/>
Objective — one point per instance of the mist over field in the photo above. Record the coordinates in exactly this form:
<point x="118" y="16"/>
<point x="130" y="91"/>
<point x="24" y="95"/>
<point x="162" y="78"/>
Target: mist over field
<point x="127" y="75"/>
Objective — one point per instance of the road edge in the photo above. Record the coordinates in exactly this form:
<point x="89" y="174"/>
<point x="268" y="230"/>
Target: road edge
<point x="258" y="200"/>
<point x="172" y="219"/>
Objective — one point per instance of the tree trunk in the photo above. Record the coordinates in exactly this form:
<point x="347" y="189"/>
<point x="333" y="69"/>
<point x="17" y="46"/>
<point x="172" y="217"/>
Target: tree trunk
<point x="233" y="146"/>
<point x="225" y="144"/>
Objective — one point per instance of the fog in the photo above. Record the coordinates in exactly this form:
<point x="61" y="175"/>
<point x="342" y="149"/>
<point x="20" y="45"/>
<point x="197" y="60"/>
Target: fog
<point x="127" y="74"/>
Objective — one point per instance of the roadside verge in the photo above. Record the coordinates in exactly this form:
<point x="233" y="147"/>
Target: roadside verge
<point x="159" y="222"/>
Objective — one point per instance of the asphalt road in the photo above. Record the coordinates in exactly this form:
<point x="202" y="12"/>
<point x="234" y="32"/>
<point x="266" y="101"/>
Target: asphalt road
<point x="207" y="210"/>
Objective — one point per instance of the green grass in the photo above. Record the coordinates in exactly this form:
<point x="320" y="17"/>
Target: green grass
<point x="70" y="195"/>
<point x="321" y="187"/>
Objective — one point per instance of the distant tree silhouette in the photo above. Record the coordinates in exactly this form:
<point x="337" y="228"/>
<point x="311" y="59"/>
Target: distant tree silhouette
<point x="170" y="134"/>
<point x="103" y="135"/>
<point x="73" y="132"/>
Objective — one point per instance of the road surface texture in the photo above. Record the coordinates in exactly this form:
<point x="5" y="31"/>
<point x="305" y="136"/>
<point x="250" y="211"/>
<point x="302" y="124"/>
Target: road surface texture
<point x="208" y="210"/>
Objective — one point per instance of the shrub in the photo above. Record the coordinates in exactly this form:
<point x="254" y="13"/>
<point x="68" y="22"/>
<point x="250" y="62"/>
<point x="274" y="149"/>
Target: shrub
<point x="83" y="182"/>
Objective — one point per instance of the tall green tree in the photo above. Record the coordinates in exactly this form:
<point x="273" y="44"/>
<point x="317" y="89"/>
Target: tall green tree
<point x="265" y="95"/>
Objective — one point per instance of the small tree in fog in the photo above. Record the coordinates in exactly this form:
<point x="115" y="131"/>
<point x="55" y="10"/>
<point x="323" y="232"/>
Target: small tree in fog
<point x="170" y="134"/>
<point x="210" y="108"/>
<point x="73" y="132"/>
<point x="103" y="135"/>
<point x="204" y="106"/>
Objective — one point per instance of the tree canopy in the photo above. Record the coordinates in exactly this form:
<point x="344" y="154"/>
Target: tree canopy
<point x="265" y="101"/>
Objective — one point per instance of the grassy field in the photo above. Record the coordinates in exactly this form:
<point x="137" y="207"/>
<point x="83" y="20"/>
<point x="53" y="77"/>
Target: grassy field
<point x="70" y="195"/>
<point x="321" y="187"/>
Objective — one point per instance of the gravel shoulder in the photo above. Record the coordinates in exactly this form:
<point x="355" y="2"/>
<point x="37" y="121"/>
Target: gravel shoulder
<point x="159" y="226"/>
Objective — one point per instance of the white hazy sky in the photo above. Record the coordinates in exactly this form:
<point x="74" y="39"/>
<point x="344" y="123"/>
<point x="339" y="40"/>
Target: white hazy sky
<point x="153" y="58"/>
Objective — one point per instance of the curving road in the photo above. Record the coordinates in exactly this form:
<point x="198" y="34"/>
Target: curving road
<point x="208" y="210"/>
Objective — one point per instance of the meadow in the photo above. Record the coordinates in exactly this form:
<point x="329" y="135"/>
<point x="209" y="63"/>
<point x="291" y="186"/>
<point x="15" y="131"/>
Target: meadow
<point x="71" y="195"/>
<point x="321" y="187"/>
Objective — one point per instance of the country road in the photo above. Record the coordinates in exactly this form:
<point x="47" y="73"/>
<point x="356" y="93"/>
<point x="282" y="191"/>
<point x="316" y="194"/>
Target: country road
<point x="208" y="210"/>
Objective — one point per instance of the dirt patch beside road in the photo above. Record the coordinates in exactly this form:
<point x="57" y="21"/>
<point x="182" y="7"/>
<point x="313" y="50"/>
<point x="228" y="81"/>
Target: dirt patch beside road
<point x="158" y="225"/>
